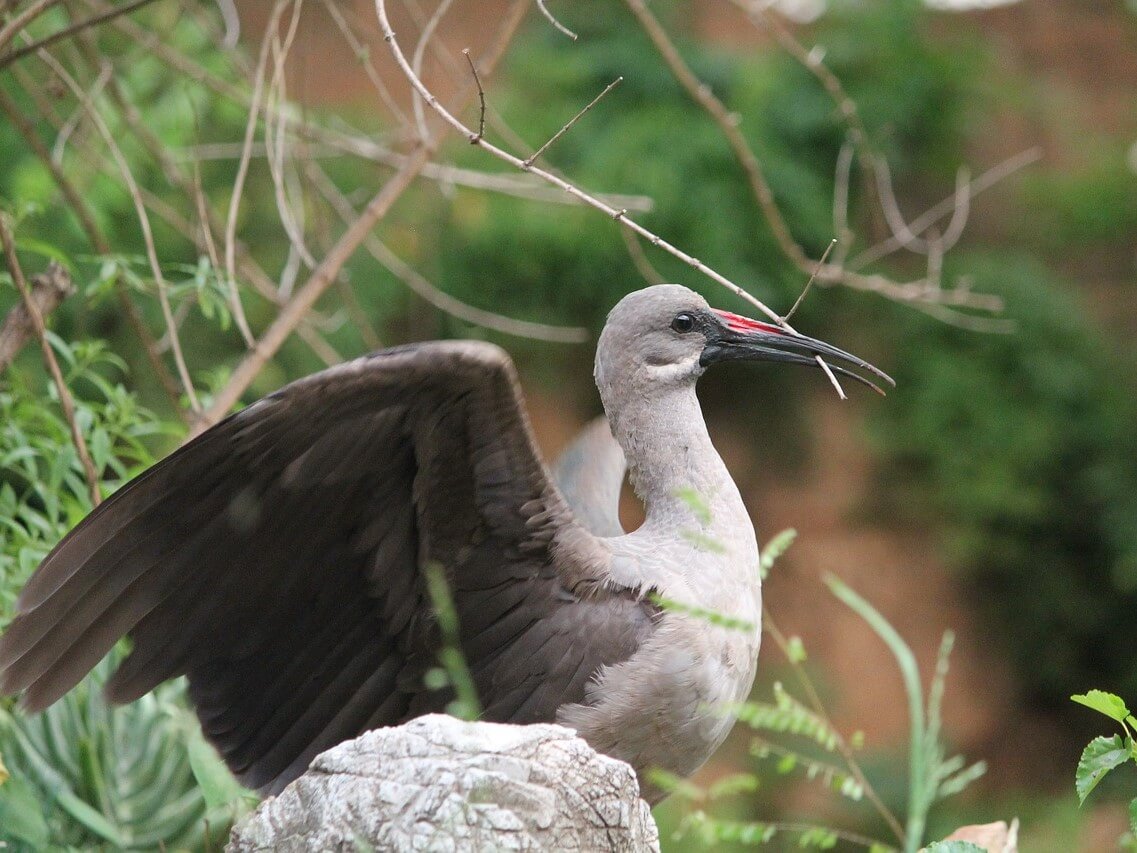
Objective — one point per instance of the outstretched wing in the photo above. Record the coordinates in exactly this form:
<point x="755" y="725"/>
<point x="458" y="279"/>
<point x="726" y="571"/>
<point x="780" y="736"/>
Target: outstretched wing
<point x="277" y="560"/>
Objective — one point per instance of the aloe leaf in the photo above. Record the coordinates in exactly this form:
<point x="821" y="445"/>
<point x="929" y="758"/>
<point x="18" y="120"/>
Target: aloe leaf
<point x="20" y="817"/>
<point x="218" y="786"/>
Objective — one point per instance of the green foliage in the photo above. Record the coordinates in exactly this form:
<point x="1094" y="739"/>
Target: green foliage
<point x="720" y="619"/>
<point x="647" y="137"/>
<point x="800" y="740"/>
<point x="1083" y="209"/>
<point x="787" y="715"/>
<point x="1106" y="703"/>
<point x="1103" y="754"/>
<point x="711" y="832"/>
<point x="931" y="776"/>
<point x="453" y="672"/>
<point x="774" y="549"/>
<point x="1022" y="449"/>
<point x="42" y="488"/>
<point x="84" y="773"/>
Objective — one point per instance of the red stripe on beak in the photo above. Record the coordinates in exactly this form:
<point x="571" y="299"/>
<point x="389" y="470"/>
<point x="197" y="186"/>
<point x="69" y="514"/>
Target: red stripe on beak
<point x="738" y="323"/>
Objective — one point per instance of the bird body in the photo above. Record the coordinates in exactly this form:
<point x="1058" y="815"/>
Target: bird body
<point x="278" y="559"/>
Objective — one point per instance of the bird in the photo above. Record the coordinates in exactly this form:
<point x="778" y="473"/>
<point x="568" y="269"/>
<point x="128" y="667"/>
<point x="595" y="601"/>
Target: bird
<point x="278" y="560"/>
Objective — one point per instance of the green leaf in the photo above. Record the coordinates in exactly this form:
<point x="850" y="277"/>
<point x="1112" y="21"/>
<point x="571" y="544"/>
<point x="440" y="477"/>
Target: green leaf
<point x="736" y="783"/>
<point x="20" y="817"/>
<point x="1100" y="756"/>
<point x="1104" y="703"/>
<point x="714" y="618"/>
<point x="1133" y="815"/>
<point x="703" y="541"/>
<point x="777" y="546"/>
<point x="218" y="785"/>
<point x="795" y="650"/>
<point x="90" y="817"/>
<point x="47" y="250"/>
<point x="695" y="502"/>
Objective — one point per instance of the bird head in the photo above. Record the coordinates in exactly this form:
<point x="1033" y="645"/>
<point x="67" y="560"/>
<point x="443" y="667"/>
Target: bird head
<point x="666" y="336"/>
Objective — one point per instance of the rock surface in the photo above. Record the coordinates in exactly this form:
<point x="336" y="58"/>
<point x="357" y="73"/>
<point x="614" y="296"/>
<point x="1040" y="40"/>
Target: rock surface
<point x="438" y="783"/>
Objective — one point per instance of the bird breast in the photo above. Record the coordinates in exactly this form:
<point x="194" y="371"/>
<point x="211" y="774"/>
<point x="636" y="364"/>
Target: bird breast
<point x="669" y="705"/>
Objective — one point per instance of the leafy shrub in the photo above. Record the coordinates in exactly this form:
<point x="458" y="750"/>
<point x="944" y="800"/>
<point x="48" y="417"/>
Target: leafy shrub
<point x="1022" y="449"/>
<point x="84" y="773"/>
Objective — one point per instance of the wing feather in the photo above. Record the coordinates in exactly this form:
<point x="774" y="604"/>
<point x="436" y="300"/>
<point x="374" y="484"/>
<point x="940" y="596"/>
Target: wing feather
<point x="277" y="561"/>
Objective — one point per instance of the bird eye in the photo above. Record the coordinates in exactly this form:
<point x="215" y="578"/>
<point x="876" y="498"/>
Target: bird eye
<point x="683" y="322"/>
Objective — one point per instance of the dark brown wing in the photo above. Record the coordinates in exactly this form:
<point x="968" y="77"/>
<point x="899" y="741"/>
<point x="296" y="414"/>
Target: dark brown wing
<point x="276" y="560"/>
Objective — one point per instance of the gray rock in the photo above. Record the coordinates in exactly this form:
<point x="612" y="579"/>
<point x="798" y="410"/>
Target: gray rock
<point x="440" y="784"/>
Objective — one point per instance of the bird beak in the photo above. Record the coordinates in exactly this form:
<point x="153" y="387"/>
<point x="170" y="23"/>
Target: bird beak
<point x="739" y="338"/>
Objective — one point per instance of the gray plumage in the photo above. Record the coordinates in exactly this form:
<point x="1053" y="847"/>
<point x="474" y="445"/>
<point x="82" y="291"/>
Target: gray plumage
<point x="276" y="559"/>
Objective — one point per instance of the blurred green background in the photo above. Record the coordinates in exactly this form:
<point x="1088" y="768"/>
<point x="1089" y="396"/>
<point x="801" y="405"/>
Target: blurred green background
<point x="994" y="492"/>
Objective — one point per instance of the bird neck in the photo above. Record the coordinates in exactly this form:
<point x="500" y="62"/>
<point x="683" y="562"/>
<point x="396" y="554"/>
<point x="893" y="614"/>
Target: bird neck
<point x="673" y="466"/>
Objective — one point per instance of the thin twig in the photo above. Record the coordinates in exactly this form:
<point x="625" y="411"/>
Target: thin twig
<point x="557" y="24"/>
<point x="809" y="283"/>
<point x="521" y="186"/>
<point x="143" y="221"/>
<point x="93" y="21"/>
<point x="65" y="399"/>
<point x="833" y="379"/>
<point x="961" y="210"/>
<point x="322" y="277"/>
<point x="19" y="21"/>
<point x="589" y="199"/>
<point x="481" y="94"/>
<point x="568" y="125"/>
<point x="420" y="50"/>
<point x="845" y="235"/>
<point x="362" y="53"/>
<point x="432" y="294"/>
<point x="985" y="181"/>
<point x="728" y="125"/>
<point x="291" y="219"/>
<point x="48" y="289"/>
<point x="639" y="258"/>
<point x="77" y="204"/>
<point x="243" y="168"/>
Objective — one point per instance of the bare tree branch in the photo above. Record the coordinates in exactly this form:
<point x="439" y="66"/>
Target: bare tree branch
<point x="143" y="220"/>
<point x="48" y="290"/>
<point x="439" y="299"/>
<point x="557" y="24"/>
<point x="620" y="215"/>
<point x="728" y="124"/>
<point x="65" y="398"/>
<point x="568" y="125"/>
<point x="79" y="26"/>
<point x="19" y="21"/>
<point x="326" y="272"/>
<point x="79" y="207"/>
